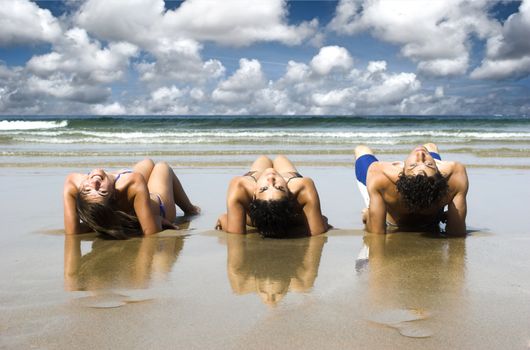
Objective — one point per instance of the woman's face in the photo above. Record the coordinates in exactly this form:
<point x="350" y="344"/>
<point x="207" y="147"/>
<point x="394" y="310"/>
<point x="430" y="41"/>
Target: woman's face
<point x="420" y="162"/>
<point x="97" y="186"/>
<point x="271" y="186"/>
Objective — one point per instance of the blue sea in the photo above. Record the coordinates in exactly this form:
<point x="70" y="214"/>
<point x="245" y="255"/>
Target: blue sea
<point x="216" y="141"/>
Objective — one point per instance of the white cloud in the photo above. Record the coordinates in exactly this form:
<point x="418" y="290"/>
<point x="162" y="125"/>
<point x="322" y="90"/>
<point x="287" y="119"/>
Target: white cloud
<point x="62" y="87"/>
<point x="179" y="60"/>
<point x="78" y="68"/>
<point x="296" y="71"/>
<point x="85" y="59"/>
<point x="331" y="58"/>
<point x="334" y="98"/>
<point x="228" y="22"/>
<point x="237" y="22"/>
<point x="197" y="94"/>
<point x="376" y="67"/>
<point x="394" y="88"/>
<point x="434" y="35"/>
<point x="508" y="53"/>
<point x="503" y="68"/>
<point x="22" y="21"/>
<point x="110" y="109"/>
<point x="242" y="84"/>
<point x="272" y="101"/>
<point x="167" y="100"/>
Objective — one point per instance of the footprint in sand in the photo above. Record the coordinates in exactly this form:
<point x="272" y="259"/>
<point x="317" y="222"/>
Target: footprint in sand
<point x="403" y="321"/>
<point x="111" y="300"/>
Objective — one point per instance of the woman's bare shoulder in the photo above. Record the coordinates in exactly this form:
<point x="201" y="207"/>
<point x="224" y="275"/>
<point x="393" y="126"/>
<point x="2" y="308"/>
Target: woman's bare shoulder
<point x="73" y="180"/>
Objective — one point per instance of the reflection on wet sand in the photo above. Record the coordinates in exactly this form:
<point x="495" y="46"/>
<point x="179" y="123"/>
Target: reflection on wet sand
<point x="111" y="264"/>
<point x="412" y="274"/>
<point x="271" y="268"/>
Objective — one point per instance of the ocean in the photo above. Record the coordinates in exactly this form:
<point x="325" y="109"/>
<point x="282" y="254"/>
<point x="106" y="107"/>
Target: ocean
<point x="234" y="141"/>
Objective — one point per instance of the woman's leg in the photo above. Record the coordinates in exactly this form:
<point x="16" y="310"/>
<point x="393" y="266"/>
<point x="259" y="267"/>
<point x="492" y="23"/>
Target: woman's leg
<point x="180" y="197"/>
<point x="433" y="150"/>
<point x="161" y="183"/>
<point x="283" y="165"/>
<point x="144" y="167"/>
<point x="431" y="147"/>
<point x="261" y="163"/>
<point x="361" y="150"/>
<point x="364" y="157"/>
<point x="165" y="183"/>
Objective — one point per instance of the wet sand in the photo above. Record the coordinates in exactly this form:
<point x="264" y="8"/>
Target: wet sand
<point x="198" y="288"/>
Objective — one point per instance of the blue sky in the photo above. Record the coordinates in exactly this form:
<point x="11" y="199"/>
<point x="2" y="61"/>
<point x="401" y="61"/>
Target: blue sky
<point x="346" y="57"/>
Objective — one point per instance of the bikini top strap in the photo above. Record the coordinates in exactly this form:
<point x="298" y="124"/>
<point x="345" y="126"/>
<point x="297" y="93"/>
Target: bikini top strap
<point x="295" y="175"/>
<point x="251" y="174"/>
<point x="120" y="174"/>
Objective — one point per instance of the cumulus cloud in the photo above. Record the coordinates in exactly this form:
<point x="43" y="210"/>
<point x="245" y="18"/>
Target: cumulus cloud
<point x="79" y="68"/>
<point x="179" y="60"/>
<point x="110" y="109"/>
<point x="22" y="21"/>
<point x="229" y="22"/>
<point x="508" y="53"/>
<point x="334" y="98"/>
<point x="313" y="89"/>
<point x="108" y="45"/>
<point x="242" y="84"/>
<point x="436" y="36"/>
<point x="174" y="37"/>
<point x="168" y="100"/>
<point x="62" y="87"/>
<point x="330" y="58"/>
<point x="78" y="55"/>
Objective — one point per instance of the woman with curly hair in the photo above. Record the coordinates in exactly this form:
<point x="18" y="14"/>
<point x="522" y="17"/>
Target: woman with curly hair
<point x="412" y="194"/>
<point x="274" y="198"/>
<point x="125" y="203"/>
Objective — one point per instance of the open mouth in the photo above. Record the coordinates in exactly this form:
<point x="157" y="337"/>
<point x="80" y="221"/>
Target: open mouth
<point x="97" y="177"/>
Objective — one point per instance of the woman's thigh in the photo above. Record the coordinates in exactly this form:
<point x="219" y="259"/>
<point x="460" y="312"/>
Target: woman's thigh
<point x="261" y="163"/>
<point x="161" y="183"/>
<point x="284" y="165"/>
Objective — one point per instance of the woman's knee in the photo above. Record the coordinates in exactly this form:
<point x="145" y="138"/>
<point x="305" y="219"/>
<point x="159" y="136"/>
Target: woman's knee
<point x="361" y="150"/>
<point x="161" y="166"/>
<point x="263" y="158"/>
<point x="431" y="147"/>
<point x="148" y="162"/>
<point x="281" y="158"/>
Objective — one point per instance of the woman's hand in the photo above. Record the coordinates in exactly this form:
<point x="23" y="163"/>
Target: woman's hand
<point x="194" y="210"/>
<point x="221" y="222"/>
<point x="325" y="218"/>
<point x="168" y="225"/>
<point x="364" y="215"/>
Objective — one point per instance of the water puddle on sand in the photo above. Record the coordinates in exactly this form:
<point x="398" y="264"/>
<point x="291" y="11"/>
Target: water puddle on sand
<point x="405" y="321"/>
<point x="111" y="300"/>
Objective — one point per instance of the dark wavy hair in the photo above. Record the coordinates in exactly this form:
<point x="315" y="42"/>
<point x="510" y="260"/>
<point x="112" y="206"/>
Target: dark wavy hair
<point x="421" y="191"/>
<point x="104" y="218"/>
<point x="274" y="218"/>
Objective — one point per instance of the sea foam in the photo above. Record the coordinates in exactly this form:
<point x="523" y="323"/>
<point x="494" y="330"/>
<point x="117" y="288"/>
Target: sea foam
<point x="7" y="125"/>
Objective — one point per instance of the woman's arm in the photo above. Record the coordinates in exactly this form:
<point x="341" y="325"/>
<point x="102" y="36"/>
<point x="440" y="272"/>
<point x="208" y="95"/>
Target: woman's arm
<point x="310" y="202"/>
<point x="72" y="224"/>
<point x="457" y="208"/>
<point x="235" y="208"/>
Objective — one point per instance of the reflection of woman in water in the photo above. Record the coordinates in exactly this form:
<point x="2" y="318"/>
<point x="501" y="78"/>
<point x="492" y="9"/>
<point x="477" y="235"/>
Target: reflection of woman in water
<point x="407" y="269"/>
<point x="118" y="264"/>
<point x="276" y="199"/>
<point x="272" y="268"/>
<point x="124" y="203"/>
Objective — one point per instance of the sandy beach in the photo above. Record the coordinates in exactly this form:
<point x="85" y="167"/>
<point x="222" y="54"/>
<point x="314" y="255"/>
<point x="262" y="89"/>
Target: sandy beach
<point x="197" y="288"/>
